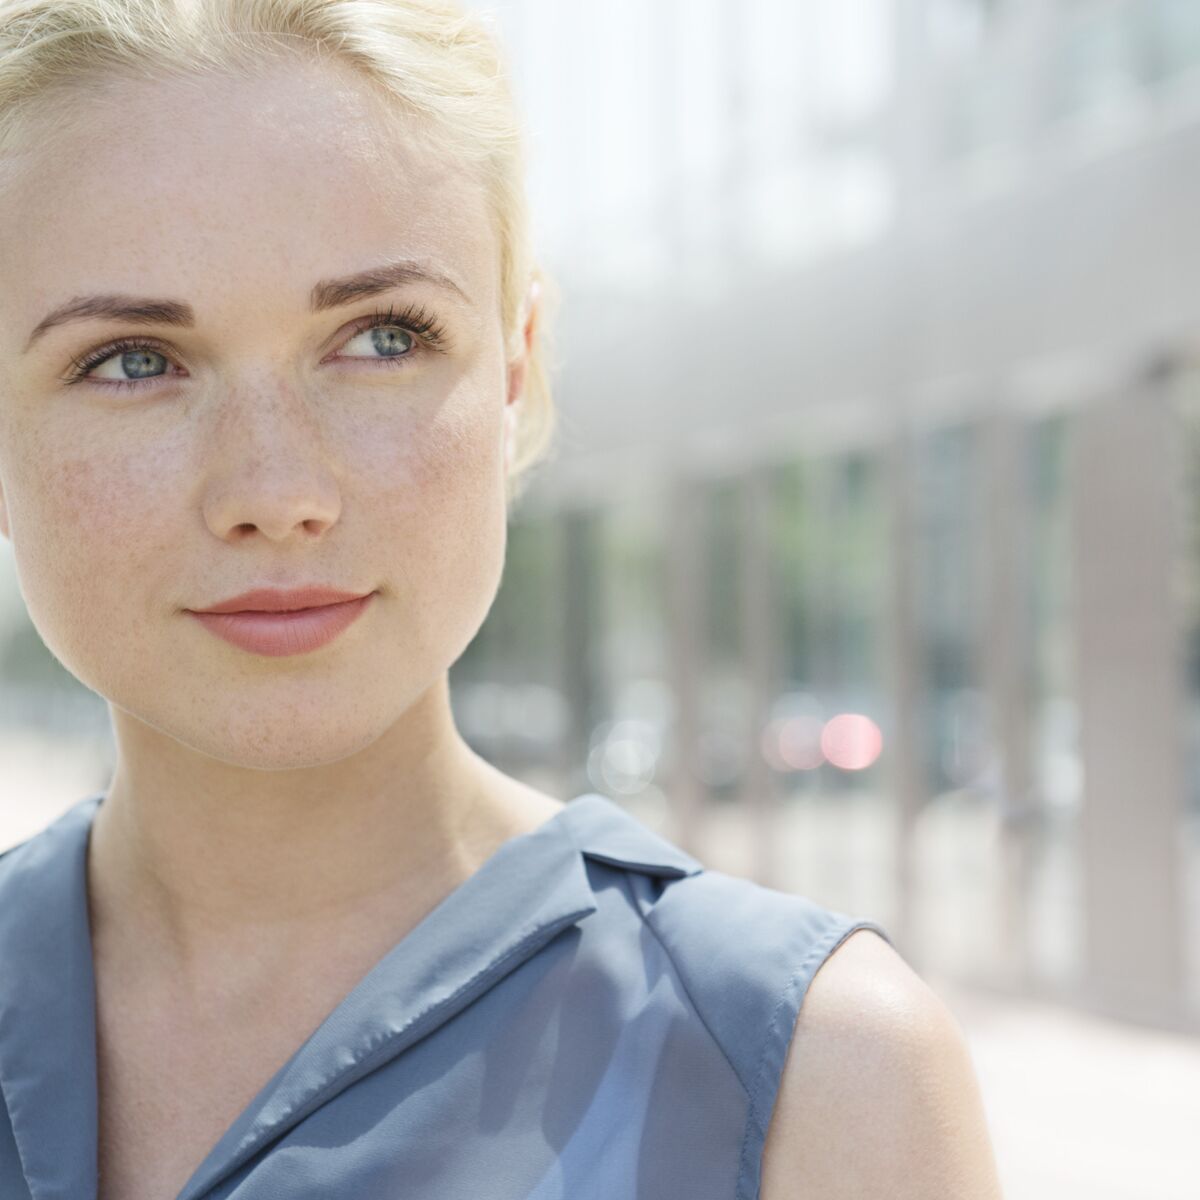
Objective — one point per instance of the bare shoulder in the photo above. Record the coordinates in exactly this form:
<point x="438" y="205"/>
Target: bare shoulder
<point x="879" y="1095"/>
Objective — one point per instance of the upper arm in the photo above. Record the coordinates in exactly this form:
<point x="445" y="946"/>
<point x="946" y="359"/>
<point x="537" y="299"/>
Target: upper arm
<point x="878" y="1095"/>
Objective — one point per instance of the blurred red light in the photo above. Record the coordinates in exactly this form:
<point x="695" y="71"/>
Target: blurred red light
<point x="851" y="741"/>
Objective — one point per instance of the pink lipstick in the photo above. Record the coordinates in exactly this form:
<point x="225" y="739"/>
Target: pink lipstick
<point x="278" y="622"/>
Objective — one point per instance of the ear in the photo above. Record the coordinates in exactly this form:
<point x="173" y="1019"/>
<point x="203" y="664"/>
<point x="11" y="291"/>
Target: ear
<point x="518" y="370"/>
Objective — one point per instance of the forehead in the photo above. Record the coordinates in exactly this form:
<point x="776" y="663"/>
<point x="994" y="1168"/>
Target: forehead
<point x="292" y="173"/>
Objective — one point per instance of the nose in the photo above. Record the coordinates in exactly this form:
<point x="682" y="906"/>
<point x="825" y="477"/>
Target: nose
<point x="269" y="469"/>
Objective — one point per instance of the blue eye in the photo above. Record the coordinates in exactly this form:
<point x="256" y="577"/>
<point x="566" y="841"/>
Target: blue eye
<point x="388" y="340"/>
<point x="413" y="320"/>
<point x="137" y="364"/>
<point x="396" y="337"/>
<point x="138" y="357"/>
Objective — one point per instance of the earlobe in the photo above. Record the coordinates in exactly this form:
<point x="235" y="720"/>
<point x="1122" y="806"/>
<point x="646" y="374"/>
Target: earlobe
<point x="516" y="381"/>
<point x="518" y="371"/>
<point x="518" y="368"/>
<point x="532" y="309"/>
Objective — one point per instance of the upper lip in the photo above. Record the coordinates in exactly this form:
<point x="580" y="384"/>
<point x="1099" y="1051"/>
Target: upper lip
<point x="281" y="599"/>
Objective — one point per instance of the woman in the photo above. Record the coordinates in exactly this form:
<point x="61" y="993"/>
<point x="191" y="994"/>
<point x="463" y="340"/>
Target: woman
<point x="272" y="370"/>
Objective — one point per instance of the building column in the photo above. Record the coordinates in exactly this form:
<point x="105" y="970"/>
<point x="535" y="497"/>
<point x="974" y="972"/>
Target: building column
<point x="760" y="641"/>
<point x="1129" y="684"/>
<point x="903" y="731"/>
<point x="1006" y="639"/>
<point x="684" y="553"/>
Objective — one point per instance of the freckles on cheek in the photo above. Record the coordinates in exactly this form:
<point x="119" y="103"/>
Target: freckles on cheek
<point x="465" y="455"/>
<point x="451" y="463"/>
<point x="98" y="550"/>
<point x="97" y="510"/>
<point x="62" y="547"/>
<point x="88" y="494"/>
<point x="71" y="493"/>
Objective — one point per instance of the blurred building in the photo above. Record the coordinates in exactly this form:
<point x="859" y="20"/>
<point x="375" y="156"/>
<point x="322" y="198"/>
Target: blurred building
<point x="867" y="565"/>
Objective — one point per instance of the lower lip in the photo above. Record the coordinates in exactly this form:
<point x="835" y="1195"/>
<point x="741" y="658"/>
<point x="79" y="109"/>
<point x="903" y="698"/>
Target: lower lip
<point x="283" y="633"/>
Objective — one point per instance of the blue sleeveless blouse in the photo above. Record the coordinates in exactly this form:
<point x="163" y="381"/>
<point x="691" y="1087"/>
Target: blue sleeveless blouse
<point x="592" y="1015"/>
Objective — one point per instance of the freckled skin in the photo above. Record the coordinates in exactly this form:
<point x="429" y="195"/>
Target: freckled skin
<point x="125" y="507"/>
<point x="273" y="825"/>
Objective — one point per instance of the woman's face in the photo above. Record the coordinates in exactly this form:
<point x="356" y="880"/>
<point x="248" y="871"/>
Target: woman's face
<point x="265" y="439"/>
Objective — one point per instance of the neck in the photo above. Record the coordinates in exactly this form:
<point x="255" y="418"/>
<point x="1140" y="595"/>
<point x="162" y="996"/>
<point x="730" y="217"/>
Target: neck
<point x="196" y="864"/>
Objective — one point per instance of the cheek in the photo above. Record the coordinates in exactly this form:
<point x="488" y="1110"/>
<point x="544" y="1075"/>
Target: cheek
<point x="439" y="517"/>
<point x="103" y="529"/>
<point x="85" y="524"/>
<point x="448" y="472"/>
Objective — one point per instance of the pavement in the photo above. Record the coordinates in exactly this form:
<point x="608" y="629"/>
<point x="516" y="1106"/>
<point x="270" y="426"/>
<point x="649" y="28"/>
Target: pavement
<point x="1081" y="1107"/>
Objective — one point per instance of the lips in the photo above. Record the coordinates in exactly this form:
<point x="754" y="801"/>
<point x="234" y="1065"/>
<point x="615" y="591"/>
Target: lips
<point x="281" y="599"/>
<point x="282" y="631"/>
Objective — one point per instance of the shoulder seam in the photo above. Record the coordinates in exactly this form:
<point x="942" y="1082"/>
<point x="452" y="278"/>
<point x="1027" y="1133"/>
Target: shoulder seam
<point x="754" y="1136"/>
<point x="646" y="920"/>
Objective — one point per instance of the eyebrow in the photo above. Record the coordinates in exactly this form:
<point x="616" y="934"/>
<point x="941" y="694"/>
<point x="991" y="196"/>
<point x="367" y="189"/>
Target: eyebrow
<point x="327" y="294"/>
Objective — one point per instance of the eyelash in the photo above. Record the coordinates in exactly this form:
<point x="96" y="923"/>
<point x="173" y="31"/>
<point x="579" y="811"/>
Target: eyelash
<point x="413" y="318"/>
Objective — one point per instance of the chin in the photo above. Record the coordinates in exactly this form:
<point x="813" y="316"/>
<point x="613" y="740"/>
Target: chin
<point x="291" y="737"/>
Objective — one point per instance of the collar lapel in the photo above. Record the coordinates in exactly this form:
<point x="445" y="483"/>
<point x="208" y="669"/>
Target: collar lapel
<point x="603" y="830"/>
<point x="532" y="887"/>
<point x="529" y="890"/>
<point x="47" y="1008"/>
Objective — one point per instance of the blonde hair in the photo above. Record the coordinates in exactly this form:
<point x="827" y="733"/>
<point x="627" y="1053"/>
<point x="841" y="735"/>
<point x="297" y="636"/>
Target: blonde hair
<point x="430" y="58"/>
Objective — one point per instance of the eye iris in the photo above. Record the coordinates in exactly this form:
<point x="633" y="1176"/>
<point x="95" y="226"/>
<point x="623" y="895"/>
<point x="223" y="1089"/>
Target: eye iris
<point x="138" y="364"/>
<point x="384" y="339"/>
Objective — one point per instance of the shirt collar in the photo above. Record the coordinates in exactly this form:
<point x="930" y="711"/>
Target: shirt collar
<point x="47" y="1006"/>
<point x="531" y="888"/>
